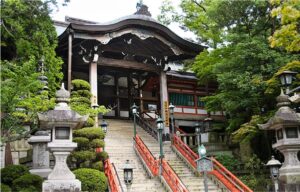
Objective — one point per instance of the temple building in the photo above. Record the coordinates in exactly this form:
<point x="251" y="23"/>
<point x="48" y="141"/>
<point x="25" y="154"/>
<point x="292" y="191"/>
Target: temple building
<point x="135" y="59"/>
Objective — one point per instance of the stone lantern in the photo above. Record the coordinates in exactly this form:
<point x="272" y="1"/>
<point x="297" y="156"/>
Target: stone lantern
<point x="286" y="125"/>
<point x="61" y="121"/>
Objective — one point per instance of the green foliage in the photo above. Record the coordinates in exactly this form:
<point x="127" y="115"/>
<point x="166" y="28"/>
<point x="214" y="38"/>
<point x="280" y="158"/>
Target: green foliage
<point x="5" y="188"/>
<point x="90" y="133"/>
<point x="82" y="156"/>
<point x="27" y="35"/>
<point x="12" y="172"/>
<point x="249" y="130"/>
<point x="79" y="84"/>
<point x="98" y="165"/>
<point x="288" y="34"/>
<point x="102" y="156"/>
<point x="91" y="179"/>
<point x="97" y="143"/>
<point x="257" y="181"/>
<point x="28" y="182"/>
<point x="228" y="161"/>
<point x="81" y="100"/>
<point x="239" y="60"/>
<point x="83" y="143"/>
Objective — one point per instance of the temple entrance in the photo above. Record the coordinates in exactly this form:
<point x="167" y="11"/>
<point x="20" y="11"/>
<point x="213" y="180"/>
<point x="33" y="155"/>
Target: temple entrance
<point x="119" y="88"/>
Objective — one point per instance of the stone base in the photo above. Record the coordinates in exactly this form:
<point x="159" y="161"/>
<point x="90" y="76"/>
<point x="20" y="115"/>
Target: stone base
<point x="62" y="186"/>
<point x="41" y="172"/>
<point x="290" y="174"/>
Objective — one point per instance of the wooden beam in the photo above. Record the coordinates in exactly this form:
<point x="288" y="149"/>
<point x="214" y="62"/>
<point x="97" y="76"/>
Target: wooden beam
<point x="102" y="61"/>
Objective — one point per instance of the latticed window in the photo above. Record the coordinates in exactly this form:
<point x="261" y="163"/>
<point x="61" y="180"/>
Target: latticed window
<point x="200" y="102"/>
<point x="181" y="99"/>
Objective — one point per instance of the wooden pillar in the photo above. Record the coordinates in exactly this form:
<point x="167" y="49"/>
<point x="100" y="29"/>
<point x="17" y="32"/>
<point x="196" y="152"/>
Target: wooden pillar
<point x="164" y="104"/>
<point x="117" y="96"/>
<point x="70" y="59"/>
<point x="140" y="93"/>
<point x="129" y="86"/>
<point x="93" y="82"/>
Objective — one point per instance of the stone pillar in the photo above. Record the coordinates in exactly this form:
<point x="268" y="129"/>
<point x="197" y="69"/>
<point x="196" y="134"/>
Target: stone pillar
<point x="2" y="155"/>
<point x="164" y="105"/>
<point x="40" y="154"/>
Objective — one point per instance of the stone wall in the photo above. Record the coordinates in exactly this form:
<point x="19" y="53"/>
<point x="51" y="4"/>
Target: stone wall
<point x="19" y="149"/>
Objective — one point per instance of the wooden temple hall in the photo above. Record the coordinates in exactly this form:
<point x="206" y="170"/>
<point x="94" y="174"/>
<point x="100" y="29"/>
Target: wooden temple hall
<point x="133" y="60"/>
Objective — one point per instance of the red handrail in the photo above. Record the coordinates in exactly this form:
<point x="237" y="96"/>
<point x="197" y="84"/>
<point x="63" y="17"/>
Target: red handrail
<point x="111" y="175"/>
<point x="147" y="156"/>
<point x="185" y="150"/>
<point x="220" y="172"/>
<point x="171" y="178"/>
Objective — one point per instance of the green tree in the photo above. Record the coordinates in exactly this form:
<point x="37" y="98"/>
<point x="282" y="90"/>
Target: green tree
<point x="27" y="35"/>
<point x="287" y="34"/>
<point x="240" y="59"/>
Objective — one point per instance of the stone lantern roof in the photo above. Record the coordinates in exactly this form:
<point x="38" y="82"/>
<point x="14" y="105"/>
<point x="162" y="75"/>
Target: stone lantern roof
<point x="283" y="116"/>
<point x="62" y="115"/>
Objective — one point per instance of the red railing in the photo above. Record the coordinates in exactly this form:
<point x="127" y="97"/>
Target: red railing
<point x="185" y="150"/>
<point x="171" y="178"/>
<point x="220" y="172"/>
<point x="147" y="156"/>
<point x="111" y="174"/>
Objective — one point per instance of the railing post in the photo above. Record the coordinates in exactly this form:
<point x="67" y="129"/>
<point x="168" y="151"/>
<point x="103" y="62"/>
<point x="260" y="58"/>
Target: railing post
<point x="184" y="139"/>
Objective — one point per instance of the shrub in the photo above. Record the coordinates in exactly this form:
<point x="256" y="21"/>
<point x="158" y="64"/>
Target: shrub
<point x="28" y="181"/>
<point x="79" y="84"/>
<point x="91" y="179"/>
<point x="90" y="122"/>
<point x="82" y="156"/>
<point x="228" y="161"/>
<point x="98" y="165"/>
<point x="97" y="143"/>
<point x="90" y="133"/>
<point x="12" y="172"/>
<point x="83" y="143"/>
<point x="5" y="188"/>
<point x="102" y="156"/>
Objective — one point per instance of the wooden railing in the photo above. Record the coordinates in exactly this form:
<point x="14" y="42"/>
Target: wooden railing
<point x="220" y="172"/>
<point x="171" y="178"/>
<point x="147" y="125"/>
<point x="147" y="156"/>
<point x="185" y="150"/>
<point x="112" y="176"/>
<point x="227" y="178"/>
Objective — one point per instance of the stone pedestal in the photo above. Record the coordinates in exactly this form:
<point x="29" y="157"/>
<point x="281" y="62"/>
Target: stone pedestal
<point x="290" y="170"/>
<point x="40" y="154"/>
<point x="61" y="178"/>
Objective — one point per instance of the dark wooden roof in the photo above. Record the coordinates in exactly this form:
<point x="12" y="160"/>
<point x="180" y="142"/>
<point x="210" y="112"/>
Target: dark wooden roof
<point x="147" y="47"/>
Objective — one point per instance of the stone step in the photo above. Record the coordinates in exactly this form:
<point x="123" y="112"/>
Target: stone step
<point x="119" y="145"/>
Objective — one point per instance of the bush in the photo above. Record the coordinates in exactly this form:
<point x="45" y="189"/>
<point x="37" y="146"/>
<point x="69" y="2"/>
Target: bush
<point x="90" y="133"/>
<point x="91" y="179"/>
<point x="82" y="156"/>
<point x="102" y="156"/>
<point x="90" y="122"/>
<point x="228" y="161"/>
<point x="79" y="84"/>
<point x="98" y="165"/>
<point x="5" y="188"/>
<point x="12" y="172"/>
<point x="97" y="143"/>
<point x="28" y="181"/>
<point x="83" y="143"/>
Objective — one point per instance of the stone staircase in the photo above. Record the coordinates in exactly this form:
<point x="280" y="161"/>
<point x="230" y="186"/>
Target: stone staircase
<point x="119" y="147"/>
